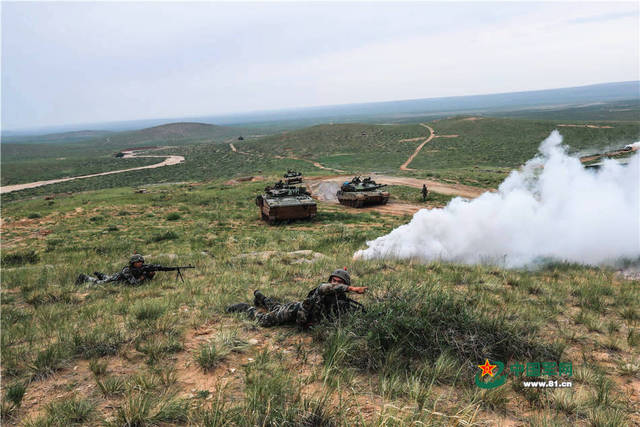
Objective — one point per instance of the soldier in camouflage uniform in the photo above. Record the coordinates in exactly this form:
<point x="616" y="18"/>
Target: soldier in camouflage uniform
<point x="130" y="275"/>
<point x="327" y="300"/>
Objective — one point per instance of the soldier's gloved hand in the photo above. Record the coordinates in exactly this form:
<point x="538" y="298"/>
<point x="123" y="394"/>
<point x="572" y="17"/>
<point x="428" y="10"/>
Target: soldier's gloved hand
<point x="358" y="289"/>
<point x="150" y="274"/>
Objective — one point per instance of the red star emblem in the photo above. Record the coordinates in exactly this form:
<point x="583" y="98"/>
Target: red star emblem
<point x="487" y="368"/>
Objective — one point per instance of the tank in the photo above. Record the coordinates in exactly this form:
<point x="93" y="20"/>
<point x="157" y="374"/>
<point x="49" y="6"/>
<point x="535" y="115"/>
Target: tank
<point x="286" y="202"/>
<point x="361" y="192"/>
<point x="292" y="177"/>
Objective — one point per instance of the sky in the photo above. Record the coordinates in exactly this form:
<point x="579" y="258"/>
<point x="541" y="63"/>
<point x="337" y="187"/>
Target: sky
<point x="91" y="62"/>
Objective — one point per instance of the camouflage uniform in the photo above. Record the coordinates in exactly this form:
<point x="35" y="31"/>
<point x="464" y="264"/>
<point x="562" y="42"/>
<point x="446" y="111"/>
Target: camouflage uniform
<point x="326" y="301"/>
<point x="129" y="275"/>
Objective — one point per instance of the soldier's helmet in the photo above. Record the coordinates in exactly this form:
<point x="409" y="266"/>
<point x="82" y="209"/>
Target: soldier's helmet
<point x="136" y="258"/>
<point x="343" y="274"/>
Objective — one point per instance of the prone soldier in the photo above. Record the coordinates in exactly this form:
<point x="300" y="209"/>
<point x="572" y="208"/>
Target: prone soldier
<point x="325" y="301"/>
<point x="134" y="274"/>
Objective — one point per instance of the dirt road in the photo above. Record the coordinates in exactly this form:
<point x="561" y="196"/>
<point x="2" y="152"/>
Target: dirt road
<point x="586" y="126"/>
<point x="432" y="134"/>
<point x="405" y="165"/>
<point x="168" y="161"/>
<point x="316" y="164"/>
<point x="439" y="187"/>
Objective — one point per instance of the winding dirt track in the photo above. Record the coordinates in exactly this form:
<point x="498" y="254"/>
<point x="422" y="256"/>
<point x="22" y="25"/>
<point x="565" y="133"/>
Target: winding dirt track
<point x="168" y="161"/>
<point x="316" y="164"/>
<point x="405" y="165"/>
<point x="415" y="153"/>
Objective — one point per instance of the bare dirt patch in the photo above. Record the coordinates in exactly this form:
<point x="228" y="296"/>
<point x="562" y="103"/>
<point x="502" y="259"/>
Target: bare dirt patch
<point x="237" y="181"/>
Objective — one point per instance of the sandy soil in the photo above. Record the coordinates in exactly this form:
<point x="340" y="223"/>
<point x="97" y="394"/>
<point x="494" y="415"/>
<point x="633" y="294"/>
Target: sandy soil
<point x="168" y="161"/>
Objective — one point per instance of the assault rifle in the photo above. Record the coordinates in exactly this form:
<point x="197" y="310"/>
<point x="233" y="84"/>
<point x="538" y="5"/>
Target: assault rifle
<point x="148" y="268"/>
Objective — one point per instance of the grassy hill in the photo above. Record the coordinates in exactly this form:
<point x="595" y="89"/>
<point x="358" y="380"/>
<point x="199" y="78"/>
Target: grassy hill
<point x="484" y="151"/>
<point x="166" y="353"/>
<point x="174" y="133"/>
<point x="34" y="161"/>
<point x="81" y="135"/>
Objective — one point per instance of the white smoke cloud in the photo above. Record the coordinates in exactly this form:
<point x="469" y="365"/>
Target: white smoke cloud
<point x="552" y="208"/>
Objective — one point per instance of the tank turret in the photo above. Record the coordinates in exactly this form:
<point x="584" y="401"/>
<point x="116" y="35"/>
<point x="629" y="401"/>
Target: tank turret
<point x="292" y="177"/>
<point x="361" y="192"/>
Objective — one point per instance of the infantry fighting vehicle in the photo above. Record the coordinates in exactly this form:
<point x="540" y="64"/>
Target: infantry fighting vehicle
<point x="360" y="192"/>
<point x="292" y="177"/>
<point x="286" y="202"/>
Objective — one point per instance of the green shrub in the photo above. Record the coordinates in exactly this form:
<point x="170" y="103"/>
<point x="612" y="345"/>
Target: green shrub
<point x="209" y="355"/>
<point x="111" y="386"/>
<point x="15" y="393"/>
<point x="148" y="310"/>
<point x="144" y="409"/>
<point x="34" y="215"/>
<point x="48" y="361"/>
<point x="68" y="412"/>
<point x="169" y="235"/>
<point x="20" y="258"/>
<point x="98" y="367"/>
<point x="173" y="216"/>
<point x="98" y="342"/>
<point x="433" y="323"/>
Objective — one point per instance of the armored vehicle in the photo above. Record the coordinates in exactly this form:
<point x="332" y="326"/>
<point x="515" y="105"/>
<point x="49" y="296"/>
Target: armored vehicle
<point x="286" y="202"/>
<point x="292" y="177"/>
<point x="360" y="192"/>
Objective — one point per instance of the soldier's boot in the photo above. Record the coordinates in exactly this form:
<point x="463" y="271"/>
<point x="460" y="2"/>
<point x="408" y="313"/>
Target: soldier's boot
<point x="82" y="278"/>
<point x="242" y="307"/>
<point x="100" y="276"/>
<point x="238" y="308"/>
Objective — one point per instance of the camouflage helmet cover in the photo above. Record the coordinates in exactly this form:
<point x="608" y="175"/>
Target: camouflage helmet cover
<point x="136" y="258"/>
<point x="343" y="274"/>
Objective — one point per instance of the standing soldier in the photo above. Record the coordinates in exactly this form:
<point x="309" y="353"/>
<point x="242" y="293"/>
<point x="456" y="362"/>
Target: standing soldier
<point x="327" y="300"/>
<point x="424" y="192"/>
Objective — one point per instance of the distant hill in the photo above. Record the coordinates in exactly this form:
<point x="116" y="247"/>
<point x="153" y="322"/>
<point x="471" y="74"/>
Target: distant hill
<point x="406" y="110"/>
<point x="174" y="133"/>
<point x="179" y="131"/>
<point x="80" y="135"/>
<point x="391" y="111"/>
